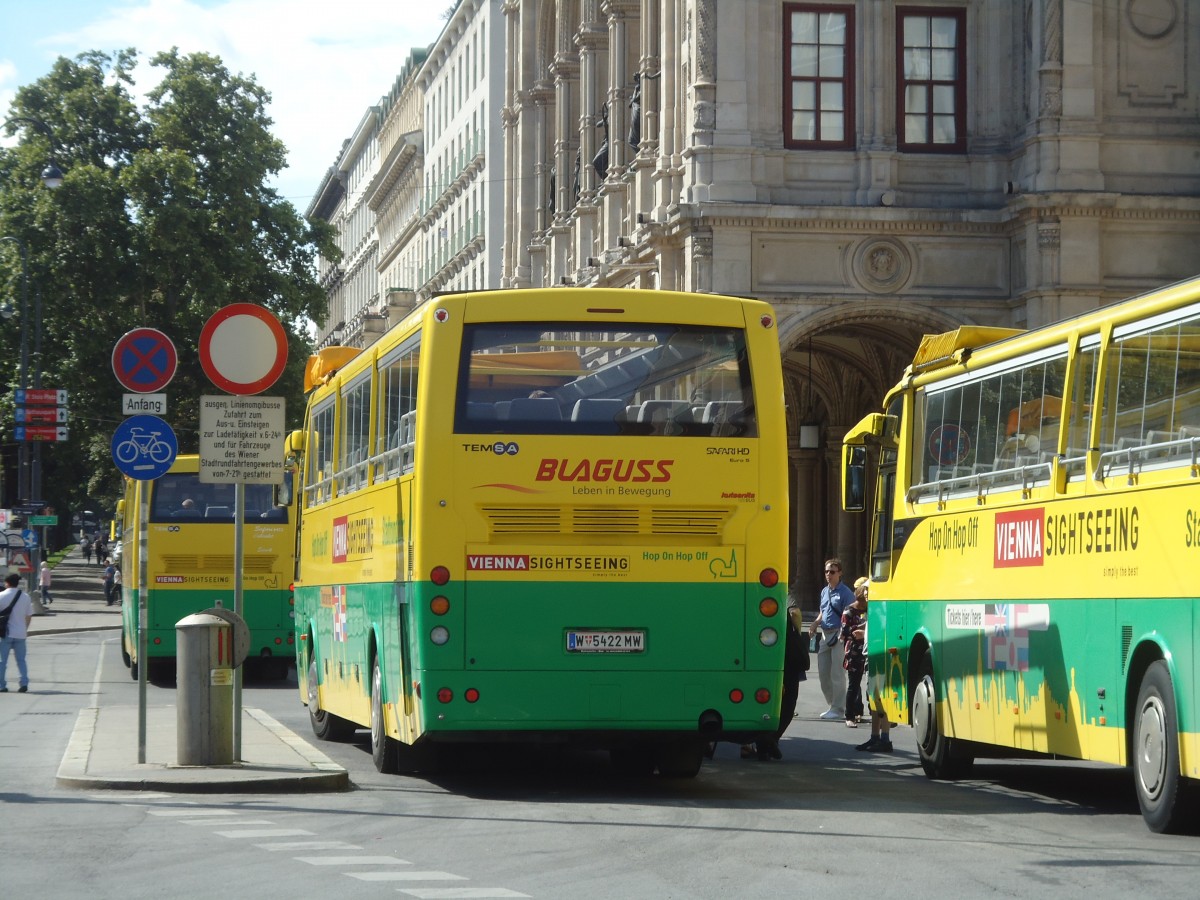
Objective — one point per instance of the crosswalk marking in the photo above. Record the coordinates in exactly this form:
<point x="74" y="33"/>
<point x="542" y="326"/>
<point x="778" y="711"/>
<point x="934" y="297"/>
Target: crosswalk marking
<point x="353" y="861"/>
<point x="188" y="812"/>
<point x="308" y="845"/>
<point x="406" y="876"/>
<point x="459" y="893"/>
<point x="264" y="832"/>
<point x="228" y="820"/>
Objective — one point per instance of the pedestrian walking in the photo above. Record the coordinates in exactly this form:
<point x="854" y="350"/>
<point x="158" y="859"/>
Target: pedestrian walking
<point x="44" y="583"/>
<point x="117" y="597"/>
<point x="87" y="551"/>
<point x="20" y="613"/>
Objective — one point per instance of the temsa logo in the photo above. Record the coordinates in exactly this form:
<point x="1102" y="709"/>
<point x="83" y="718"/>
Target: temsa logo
<point x="631" y="470"/>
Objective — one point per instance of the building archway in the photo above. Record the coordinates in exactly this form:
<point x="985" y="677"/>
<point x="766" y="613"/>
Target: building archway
<point x="837" y="365"/>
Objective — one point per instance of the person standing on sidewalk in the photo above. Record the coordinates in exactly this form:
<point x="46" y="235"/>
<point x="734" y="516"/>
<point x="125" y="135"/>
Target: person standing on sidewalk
<point x="109" y="578"/>
<point x="44" y="583"/>
<point x="835" y="597"/>
<point x="18" y="630"/>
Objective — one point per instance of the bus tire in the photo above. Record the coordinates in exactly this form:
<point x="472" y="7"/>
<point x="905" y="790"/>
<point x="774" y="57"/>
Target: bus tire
<point x="1155" y="755"/>
<point x="680" y="759"/>
<point x="385" y="750"/>
<point x="326" y="726"/>
<point x="940" y="757"/>
<point x="125" y="658"/>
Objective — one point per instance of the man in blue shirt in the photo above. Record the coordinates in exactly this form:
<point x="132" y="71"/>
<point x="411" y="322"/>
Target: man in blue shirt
<point x="835" y="597"/>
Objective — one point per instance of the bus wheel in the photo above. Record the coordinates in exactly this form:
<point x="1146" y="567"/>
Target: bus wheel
<point x="125" y="658"/>
<point x="940" y="758"/>
<point x="1156" y="752"/>
<point x="384" y="750"/>
<point x="680" y="759"/>
<point x="325" y="726"/>
<point x="634" y="761"/>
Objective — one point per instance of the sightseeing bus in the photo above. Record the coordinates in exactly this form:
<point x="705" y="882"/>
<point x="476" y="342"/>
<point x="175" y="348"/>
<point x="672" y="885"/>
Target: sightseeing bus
<point x="1036" y="542"/>
<point x="547" y="515"/>
<point x="190" y="564"/>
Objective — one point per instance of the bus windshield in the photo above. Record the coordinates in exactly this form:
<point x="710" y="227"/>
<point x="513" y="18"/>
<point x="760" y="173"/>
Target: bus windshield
<point x="182" y="495"/>
<point x="590" y="378"/>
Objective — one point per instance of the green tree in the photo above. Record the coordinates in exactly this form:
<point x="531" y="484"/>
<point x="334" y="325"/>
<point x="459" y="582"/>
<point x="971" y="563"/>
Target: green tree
<point x="164" y="217"/>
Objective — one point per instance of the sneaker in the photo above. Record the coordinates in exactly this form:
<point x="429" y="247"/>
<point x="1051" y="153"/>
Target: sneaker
<point x="22" y="689"/>
<point x="831" y="714"/>
<point x="881" y="747"/>
<point x="852" y="723"/>
<point x="869" y="745"/>
<point x="3" y="690"/>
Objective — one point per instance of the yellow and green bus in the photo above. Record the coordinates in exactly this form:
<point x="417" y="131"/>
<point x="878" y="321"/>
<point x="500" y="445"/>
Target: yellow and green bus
<point x="1036" y="544"/>
<point x="190" y="564"/>
<point x="547" y="515"/>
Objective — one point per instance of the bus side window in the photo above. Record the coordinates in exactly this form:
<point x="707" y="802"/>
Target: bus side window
<point x="396" y="402"/>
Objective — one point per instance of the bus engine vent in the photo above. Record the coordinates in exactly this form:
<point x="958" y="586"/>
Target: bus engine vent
<point x="602" y="521"/>
<point x="1126" y="640"/>
<point x="222" y="563"/>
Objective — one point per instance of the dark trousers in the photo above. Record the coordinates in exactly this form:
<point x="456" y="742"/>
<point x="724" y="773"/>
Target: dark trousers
<point x="854" y="694"/>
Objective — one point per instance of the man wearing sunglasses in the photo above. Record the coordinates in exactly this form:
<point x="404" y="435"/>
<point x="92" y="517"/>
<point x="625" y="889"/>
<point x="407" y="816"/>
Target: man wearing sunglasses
<point x="835" y="597"/>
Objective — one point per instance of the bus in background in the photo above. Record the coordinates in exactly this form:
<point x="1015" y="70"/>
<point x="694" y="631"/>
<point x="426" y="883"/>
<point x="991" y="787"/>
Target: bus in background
<point x="548" y="515"/>
<point x="1036" y="541"/>
<point x="190" y="564"/>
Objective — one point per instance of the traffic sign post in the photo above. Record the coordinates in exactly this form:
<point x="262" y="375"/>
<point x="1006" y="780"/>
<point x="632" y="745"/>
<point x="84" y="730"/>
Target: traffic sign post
<point x="144" y="360"/>
<point x="243" y="350"/>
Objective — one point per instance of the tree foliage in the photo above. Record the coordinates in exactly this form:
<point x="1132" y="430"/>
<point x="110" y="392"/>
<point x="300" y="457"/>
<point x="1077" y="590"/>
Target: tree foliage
<point x="164" y="217"/>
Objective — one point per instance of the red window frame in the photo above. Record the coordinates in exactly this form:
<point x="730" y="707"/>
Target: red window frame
<point x="932" y="89"/>
<point x="846" y="79"/>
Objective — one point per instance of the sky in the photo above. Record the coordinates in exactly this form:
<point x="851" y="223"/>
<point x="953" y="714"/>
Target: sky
<point x="322" y="63"/>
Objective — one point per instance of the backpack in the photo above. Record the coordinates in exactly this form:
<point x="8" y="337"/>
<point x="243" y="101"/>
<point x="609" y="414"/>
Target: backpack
<point x="4" y="615"/>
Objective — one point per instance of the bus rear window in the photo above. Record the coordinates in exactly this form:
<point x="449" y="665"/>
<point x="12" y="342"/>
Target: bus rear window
<point x="181" y="496"/>
<point x="581" y="378"/>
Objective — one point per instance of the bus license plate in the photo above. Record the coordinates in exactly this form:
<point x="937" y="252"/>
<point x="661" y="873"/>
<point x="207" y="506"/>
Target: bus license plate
<point x="606" y="641"/>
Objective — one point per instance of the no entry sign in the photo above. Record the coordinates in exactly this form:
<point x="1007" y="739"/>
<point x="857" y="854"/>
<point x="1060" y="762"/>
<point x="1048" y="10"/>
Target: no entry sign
<point x="144" y="360"/>
<point x="243" y="348"/>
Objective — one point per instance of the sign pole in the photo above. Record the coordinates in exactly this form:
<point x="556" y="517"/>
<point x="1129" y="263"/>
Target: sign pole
<point x="143" y="617"/>
<point x="239" y="518"/>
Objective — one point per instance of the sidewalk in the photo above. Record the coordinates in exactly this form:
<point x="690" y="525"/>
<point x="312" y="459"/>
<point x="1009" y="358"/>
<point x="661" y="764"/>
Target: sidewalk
<point x="103" y="749"/>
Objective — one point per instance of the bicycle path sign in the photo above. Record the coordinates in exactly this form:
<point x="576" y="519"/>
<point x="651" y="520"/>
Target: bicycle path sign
<point x="144" y="447"/>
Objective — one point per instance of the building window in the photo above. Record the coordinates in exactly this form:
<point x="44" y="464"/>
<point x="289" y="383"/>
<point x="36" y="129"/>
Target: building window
<point x="931" y="79"/>
<point x="818" y="95"/>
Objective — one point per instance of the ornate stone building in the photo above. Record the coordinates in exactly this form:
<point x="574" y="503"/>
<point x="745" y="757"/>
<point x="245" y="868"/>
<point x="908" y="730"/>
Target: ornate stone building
<point x="875" y="169"/>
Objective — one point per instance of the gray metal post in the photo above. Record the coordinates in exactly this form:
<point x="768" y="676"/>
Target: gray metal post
<point x="239" y="519"/>
<point x="204" y="691"/>
<point x="142" y="615"/>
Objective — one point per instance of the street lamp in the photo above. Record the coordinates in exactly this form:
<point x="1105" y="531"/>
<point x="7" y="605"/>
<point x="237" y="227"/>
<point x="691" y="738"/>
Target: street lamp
<point x="23" y="469"/>
<point x="29" y="459"/>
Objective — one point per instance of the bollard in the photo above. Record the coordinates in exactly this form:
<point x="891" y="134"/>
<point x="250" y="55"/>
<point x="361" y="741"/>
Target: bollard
<point x="204" y="691"/>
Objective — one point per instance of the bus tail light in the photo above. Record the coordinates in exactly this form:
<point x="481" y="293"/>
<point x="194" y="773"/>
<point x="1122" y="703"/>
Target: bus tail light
<point x="439" y="605"/>
<point x="471" y="695"/>
<point x="445" y="695"/>
<point x="440" y="635"/>
<point x="440" y="575"/>
<point x="278" y="641"/>
<point x="768" y="606"/>
<point x="768" y="637"/>
<point x="157" y="641"/>
<point x="762" y="695"/>
<point x="736" y="695"/>
<point x="291" y="639"/>
<point x="768" y="577"/>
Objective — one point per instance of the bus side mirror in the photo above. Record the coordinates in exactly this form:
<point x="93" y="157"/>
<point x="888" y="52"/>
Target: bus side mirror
<point x="284" y="492"/>
<point x="854" y="478"/>
<point x="293" y="445"/>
